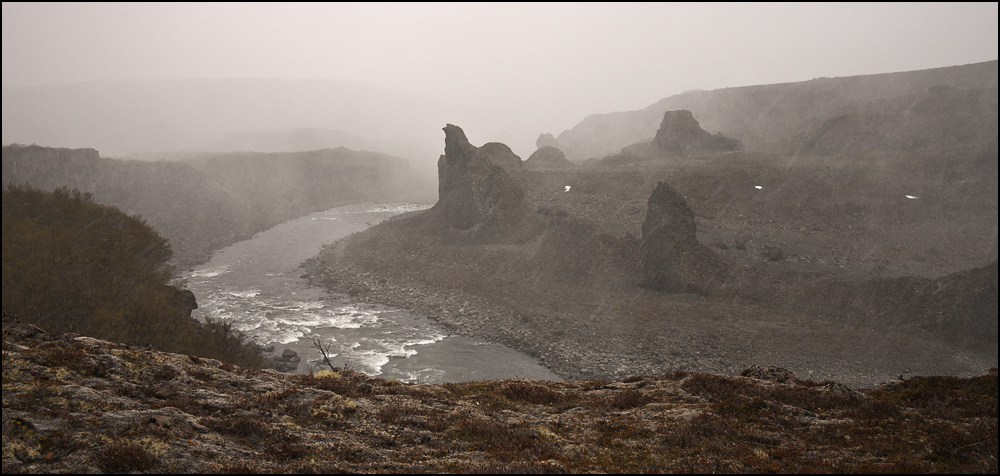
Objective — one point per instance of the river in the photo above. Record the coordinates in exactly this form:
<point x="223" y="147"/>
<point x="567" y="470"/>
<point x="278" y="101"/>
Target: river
<point x="257" y="284"/>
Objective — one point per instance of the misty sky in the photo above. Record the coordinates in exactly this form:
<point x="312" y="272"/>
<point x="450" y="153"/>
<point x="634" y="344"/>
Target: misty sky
<point x="543" y="67"/>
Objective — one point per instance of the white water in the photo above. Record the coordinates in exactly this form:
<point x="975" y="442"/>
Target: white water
<point x="256" y="283"/>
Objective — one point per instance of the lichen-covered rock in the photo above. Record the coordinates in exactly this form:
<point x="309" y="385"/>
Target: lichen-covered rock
<point x="157" y="412"/>
<point x="773" y="374"/>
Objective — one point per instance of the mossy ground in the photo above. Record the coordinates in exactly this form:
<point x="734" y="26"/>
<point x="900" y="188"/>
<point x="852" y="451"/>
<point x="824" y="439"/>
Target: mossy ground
<point x="83" y="405"/>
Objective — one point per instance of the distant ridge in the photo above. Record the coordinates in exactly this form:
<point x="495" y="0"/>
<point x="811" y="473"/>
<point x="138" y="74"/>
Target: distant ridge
<point x="170" y="115"/>
<point x="210" y="201"/>
<point x="767" y="116"/>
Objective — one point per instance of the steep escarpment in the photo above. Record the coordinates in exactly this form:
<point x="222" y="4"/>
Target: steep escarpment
<point x="782" y="118"/>
<point x="78" y="404"/>
<point x="213" y="200"/>
<point x="942" y="119"/>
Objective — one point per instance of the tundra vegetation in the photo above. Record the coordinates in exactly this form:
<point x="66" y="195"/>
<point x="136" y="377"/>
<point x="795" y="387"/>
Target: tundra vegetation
<point x="72" y="265"/>
<point x="79" y="404"/>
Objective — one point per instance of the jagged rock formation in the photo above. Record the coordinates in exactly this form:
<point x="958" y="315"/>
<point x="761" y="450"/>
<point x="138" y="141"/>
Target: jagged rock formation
<point x="681" y="135"/>
<point x="546" y="140"/>
<point x="547" y="157"/>
<point x="501" y="155"/>
<point x="476" y="197"/>
<point x="673" y="260"/>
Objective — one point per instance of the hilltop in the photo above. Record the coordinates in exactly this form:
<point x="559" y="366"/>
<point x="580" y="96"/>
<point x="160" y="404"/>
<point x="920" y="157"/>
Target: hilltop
<point x="77" y="404"/>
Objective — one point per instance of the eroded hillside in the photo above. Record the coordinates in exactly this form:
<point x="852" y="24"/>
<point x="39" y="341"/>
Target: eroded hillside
<point x="214" y="200"/>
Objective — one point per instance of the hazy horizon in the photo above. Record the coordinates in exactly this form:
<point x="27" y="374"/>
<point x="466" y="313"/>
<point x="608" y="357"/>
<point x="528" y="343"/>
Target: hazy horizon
<point x="503" y="72"/>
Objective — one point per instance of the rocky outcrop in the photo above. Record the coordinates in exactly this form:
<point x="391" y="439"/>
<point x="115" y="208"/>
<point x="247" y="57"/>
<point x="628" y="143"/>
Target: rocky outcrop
<point x="501" y="155"/>
<point x="477" y="198"/>
<point x="77" y="404"/>
<point x="769" y="373"/>
<point x="548" y="157"/>
<point x="681" y="135"/>
<point x="184" y="300"/>
<point x="672" y="258"/>
<point x="546" y="140"/>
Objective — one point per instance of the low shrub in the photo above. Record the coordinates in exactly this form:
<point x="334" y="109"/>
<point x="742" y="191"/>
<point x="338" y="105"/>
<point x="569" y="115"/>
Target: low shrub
<point x="124" y="458"/>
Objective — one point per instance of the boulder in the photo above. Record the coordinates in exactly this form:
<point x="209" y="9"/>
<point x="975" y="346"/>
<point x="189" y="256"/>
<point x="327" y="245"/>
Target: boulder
<point x="681" y="135"/>
<point x="290" y="355"/>
<point x="548" y="157"/>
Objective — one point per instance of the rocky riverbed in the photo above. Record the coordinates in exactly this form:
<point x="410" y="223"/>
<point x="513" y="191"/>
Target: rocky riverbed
<point x="593" y="345"/>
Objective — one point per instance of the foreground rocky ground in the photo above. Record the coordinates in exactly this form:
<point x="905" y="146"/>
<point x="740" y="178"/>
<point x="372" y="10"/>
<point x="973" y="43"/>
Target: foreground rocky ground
<point x="77" y="404"/>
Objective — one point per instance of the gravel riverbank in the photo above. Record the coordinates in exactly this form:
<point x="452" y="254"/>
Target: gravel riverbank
<point x="697" y="335"/>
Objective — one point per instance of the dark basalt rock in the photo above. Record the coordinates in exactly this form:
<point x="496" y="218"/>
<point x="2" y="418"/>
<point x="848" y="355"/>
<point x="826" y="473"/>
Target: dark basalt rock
<point x="476" y="197"/>
<point x="680" y="135"/>
<point x="672" y="258"/>
<point x="548" y="157"/>
<point x="501" y="155"/>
